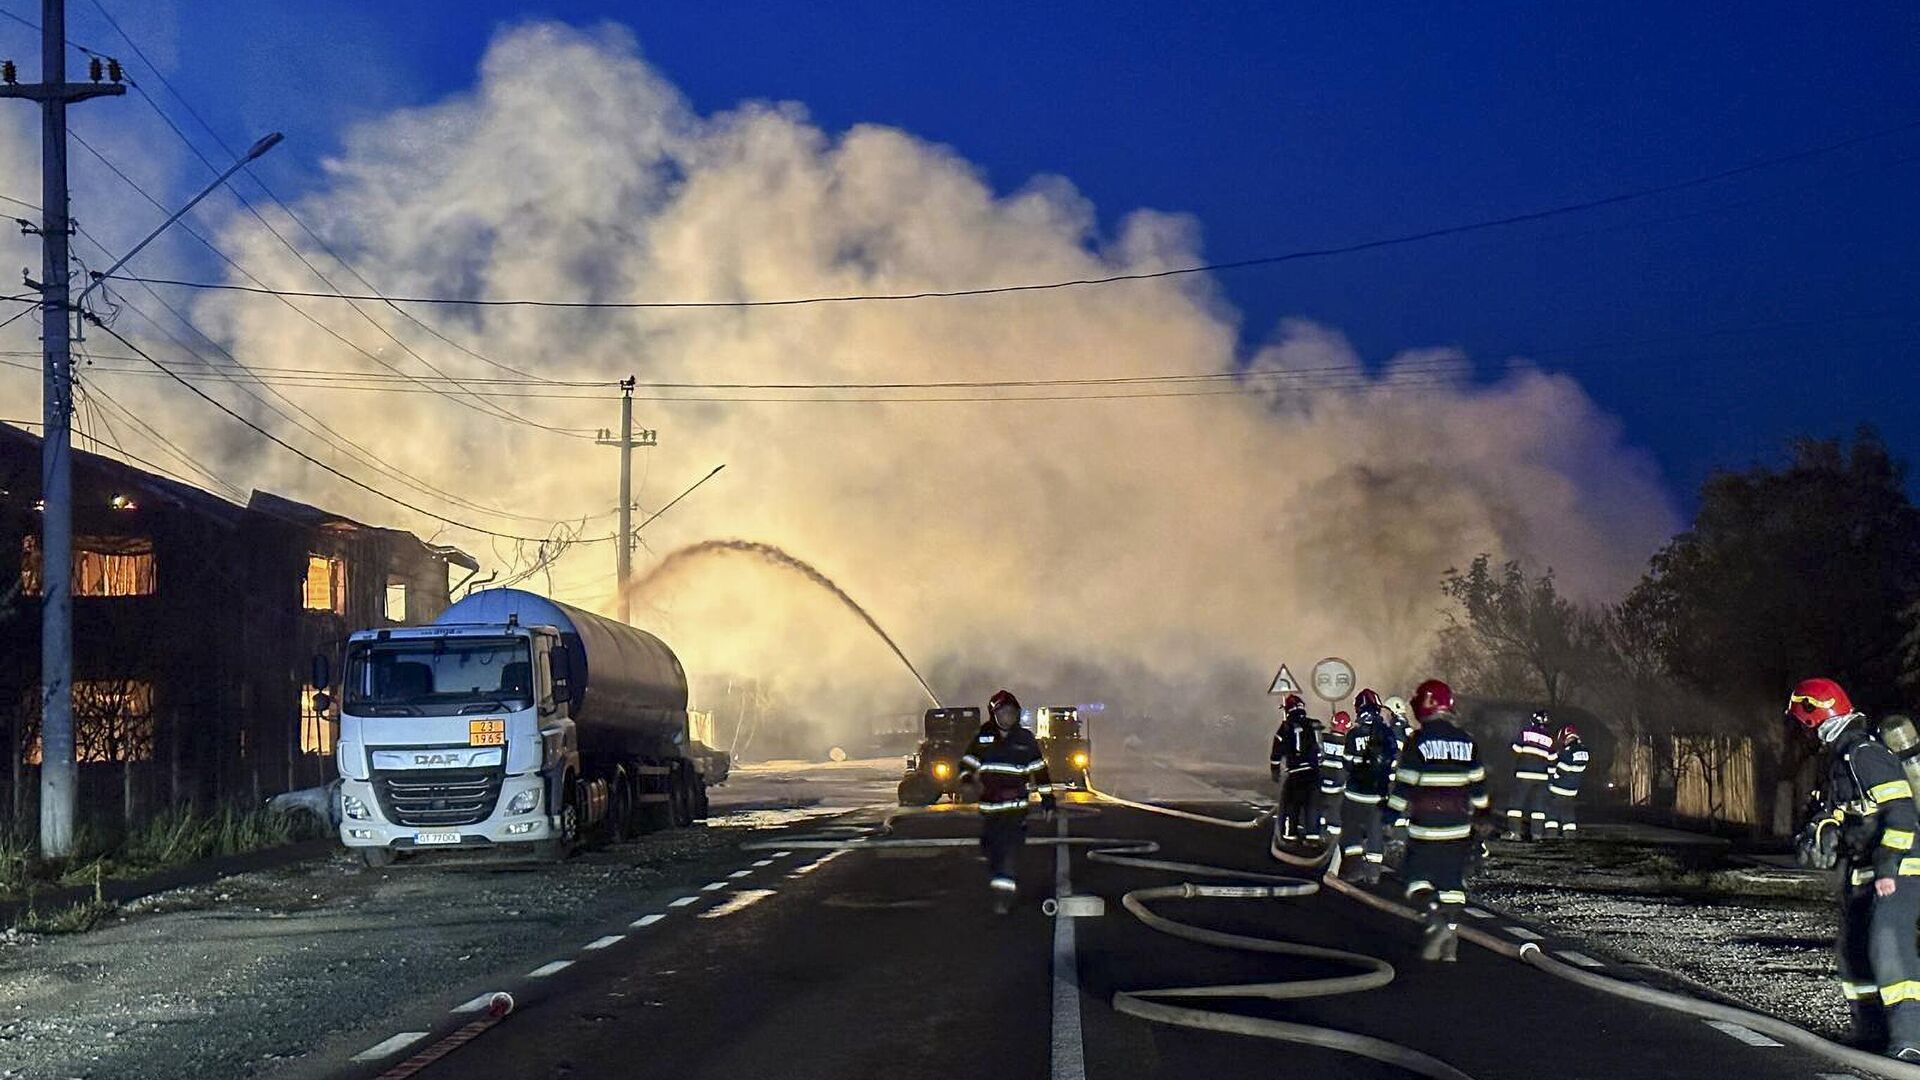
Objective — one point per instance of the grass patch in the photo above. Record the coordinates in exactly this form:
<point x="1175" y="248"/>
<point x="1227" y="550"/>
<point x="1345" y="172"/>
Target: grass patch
<point x="77" y="919"/>
<point x="169" y="839"/>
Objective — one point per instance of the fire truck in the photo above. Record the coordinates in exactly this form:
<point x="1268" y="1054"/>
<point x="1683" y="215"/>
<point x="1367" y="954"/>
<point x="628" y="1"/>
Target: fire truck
<point x="933" y="770"/>
<point x="1063" y="740"/>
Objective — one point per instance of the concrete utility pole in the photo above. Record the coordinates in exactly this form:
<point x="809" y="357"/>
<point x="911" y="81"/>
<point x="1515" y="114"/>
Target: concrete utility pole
<point x="54" y="93"/>
<point x="623" y="541"/>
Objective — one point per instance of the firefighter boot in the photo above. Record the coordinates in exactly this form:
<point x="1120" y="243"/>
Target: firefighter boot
<point x="1868" y="1030"/>
<point x="1450" y="948"/>
<point x="1904" y="1021"/>
<point x="1438" y="938"/>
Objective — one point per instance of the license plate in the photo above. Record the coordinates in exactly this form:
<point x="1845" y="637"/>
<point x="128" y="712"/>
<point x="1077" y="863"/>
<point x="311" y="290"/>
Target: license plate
<point x="427" y="838"/>
<point x="486" y="733"/>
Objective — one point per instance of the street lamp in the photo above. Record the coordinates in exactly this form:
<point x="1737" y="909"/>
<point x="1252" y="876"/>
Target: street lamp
<point x="253" y="153"/>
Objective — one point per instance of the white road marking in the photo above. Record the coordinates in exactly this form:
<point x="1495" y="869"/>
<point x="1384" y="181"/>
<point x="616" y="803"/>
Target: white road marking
<point x="781" y="854"/>
<point x="601" y="943"/>
<point x="1479" y="914"/>
<point x="1744" y="1034"/>
<point x="819" y="862"/>
<point x="1579" y="958"/>
<point x="713" y="886"/>
<point x="684" y="901"/>
<point x="646" y="920"/>
<point x="763" y="862"/>
<point x="551" y="967"/>
<point x="390" y="1047"/>
<point x="745" y="898"/>
<point x="1069" y="1044"/>
<point x="738" y="874"/>
<point x="474" y="1005"/>
<point x="1522" y="933"/>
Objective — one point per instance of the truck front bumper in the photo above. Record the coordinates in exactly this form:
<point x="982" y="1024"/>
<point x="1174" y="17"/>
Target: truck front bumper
<point x="375" y="831"/>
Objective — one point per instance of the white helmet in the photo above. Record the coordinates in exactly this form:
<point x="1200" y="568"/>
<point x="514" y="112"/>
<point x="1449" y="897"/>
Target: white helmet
<point x="1397" y="705"/>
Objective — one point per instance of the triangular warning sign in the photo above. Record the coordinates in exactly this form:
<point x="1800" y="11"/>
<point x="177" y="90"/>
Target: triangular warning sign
<point x="1284" y="682"/>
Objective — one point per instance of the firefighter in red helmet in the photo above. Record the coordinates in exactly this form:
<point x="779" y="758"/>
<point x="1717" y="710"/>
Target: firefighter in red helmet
<point x="1441" y="787"/>
<point x="1864" y="826"/>
<point x="1005" y="760"/>
<point x="1295" y="763"/>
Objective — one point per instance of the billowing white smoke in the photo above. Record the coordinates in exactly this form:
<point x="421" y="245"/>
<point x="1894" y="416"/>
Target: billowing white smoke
<point x="1162" y="537"/>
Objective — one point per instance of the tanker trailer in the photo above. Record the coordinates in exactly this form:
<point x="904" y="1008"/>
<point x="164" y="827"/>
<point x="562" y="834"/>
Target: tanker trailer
<point x="513" y="722"/>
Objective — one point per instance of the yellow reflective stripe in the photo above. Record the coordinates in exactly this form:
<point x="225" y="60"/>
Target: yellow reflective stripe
<point x="1452" y="896"/>
<point x="1889" y="791"/>
<point x="1478" y="774"/>
<point x="1480" y="802"/>
<point x="1859" y="991"/>
<point x="1897" y="839"/>
<point x="1909" y="867"/>
<point x="1860" y="877"/>
<point x="1397" y="802"/>
<point x="1904" y="990"/>
<point x="1440" y="832"/>
<point x="1407" y="776"/>
<point x="1440" y="779"/>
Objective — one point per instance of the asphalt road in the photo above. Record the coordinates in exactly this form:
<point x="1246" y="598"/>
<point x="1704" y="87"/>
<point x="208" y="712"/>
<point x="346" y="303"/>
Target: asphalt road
<point x="887" y="962"/>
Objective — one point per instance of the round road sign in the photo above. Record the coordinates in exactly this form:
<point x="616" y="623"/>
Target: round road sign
<point x="1332" y="679"/>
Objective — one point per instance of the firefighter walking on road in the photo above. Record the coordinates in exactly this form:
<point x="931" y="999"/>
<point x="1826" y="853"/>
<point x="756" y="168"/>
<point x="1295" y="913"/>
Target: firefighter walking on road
<point x="1005" y="760"/>
<point x="1532" y="762"/>
<point x="1295" y="763"/>
<point x="1333" y="775"/>
<point x="1371" y="750"/>
<point x="1864" y="827"/>
<point x="1441" y="787"/>
<point x="1563" y="783"/>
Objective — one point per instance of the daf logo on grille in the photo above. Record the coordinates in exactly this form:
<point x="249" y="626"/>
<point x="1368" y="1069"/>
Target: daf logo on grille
<point x="432" y="760"/>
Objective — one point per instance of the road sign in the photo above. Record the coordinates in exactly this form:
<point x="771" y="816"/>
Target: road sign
<point x="1284" y="682"/>
<point x="1332" y="679"/>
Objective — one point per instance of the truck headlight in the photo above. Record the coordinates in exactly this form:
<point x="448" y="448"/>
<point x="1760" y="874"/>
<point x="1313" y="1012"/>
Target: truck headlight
<point x="524" y="802"/>
<point x="1079" y="759"/>
<point x="354" y="808"/>
<point x="942" y="770"/>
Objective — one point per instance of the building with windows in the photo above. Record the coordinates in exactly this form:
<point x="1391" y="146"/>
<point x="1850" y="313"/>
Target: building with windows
<point x="195" y="621"/>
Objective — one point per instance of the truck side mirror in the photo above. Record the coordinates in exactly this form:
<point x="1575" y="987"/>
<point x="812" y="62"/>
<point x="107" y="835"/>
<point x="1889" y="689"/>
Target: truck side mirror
<point x="322" y="674"/>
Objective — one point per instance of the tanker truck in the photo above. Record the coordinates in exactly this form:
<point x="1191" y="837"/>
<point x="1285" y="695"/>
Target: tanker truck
<point x="512" y="722"/>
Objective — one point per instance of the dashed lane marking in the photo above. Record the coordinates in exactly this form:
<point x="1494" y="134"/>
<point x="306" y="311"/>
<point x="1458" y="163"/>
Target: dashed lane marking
<point x="1479" y="914"/>
<point x="781" y="854"/>
<point x="1069" y="1056"/>
<point x="713" y="886"/>
<point x="1579" y="958"/>
<point x="763" y="863"/>
<point x="390" y="1047"/>
<point x="1522" y="933"/>
<point x="738" y="874"/>
<point x="601" y="943"/>
<point x="684" y="901"/>
<point x="474" y="1005"/>
<point x="552" y="967"/>
<point x="1744" y="1034"/>
<point x="819" y="862"/>
<point x="743" y="899"/>
<point x="647" y="920"/>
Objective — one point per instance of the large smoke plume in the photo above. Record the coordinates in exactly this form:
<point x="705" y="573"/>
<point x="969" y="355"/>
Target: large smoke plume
<point x="1112" y="550"/>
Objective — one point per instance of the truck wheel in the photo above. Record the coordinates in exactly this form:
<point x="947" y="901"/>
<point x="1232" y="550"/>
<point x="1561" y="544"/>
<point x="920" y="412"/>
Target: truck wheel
<point x="561" y="846"/>
<point x="377" y="858"/>
<point x="682" y="801"/>
<point x="917" y="791"/>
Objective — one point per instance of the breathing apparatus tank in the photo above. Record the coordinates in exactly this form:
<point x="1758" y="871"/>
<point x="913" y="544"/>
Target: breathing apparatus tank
<point x="1901" y="737"/>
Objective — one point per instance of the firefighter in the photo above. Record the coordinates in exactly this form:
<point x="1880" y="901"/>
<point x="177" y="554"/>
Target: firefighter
<point x="1372" y="747"/>
<point x="1864" y="826"/>
<point x="1532" y="759"/>
<point x="1295" y="763"/>
<point x="1333" y="774"/>
<point x="1441" y="786"/>
<point x="1563" y="782"/>
<point x="1005" y="760"/>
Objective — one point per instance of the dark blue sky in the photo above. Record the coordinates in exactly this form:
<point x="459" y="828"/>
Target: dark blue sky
<point x="1715" y="323"/>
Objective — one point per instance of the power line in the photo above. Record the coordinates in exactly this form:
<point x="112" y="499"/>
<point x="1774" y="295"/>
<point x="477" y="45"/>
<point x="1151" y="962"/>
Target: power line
<point x="1562" y="210"/>
<point x="310" y="459"/>
<point x="485" y="408"/>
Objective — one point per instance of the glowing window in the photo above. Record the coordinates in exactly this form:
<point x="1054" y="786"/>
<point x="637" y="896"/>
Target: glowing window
<point x="326" y="586"/>
<point x="317" y="733"/>
<point x="396" y="601"/>
<point x="102" y="566"/>
<point x="112" y="721"/>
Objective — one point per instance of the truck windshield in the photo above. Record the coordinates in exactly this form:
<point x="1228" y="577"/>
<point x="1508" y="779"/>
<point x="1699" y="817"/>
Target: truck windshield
<point x="439" y="677"/>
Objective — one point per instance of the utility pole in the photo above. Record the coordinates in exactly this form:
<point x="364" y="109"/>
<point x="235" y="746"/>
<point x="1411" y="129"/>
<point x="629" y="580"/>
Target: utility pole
<point x="623" y="540"/>
<point x="55" y="93"/>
